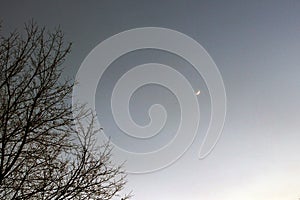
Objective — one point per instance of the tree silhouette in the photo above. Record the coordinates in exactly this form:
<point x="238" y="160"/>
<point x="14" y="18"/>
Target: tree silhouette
<point x="42" y="154"/>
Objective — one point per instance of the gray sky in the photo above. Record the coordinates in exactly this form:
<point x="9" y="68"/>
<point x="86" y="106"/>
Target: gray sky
<point x="256" y="47"/>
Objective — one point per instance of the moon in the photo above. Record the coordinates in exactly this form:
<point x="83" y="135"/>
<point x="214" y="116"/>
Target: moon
<point x="197" y="93"/>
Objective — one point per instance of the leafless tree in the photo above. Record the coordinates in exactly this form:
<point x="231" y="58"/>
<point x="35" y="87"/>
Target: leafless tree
<point x="42" y="154"/>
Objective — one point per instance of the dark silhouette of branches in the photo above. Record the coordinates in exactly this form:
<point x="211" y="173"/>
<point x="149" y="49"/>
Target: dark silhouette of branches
<point x="42" y="154"/>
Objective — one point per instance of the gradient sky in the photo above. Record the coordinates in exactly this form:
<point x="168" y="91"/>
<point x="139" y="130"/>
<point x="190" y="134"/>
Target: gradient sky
<point x="256" y="46"/>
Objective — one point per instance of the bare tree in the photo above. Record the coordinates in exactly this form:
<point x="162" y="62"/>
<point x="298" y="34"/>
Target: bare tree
<point x="42" y="154"/>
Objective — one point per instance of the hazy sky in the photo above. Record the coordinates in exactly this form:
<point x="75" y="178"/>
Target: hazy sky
<point x="256" y="47"/>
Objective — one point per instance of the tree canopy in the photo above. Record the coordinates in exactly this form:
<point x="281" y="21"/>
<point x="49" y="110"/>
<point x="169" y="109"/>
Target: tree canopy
<point x="43" y="153"/>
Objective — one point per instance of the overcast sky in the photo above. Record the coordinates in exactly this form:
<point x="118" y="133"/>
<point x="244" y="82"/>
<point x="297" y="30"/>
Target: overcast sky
<point x="256" y="47"/>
